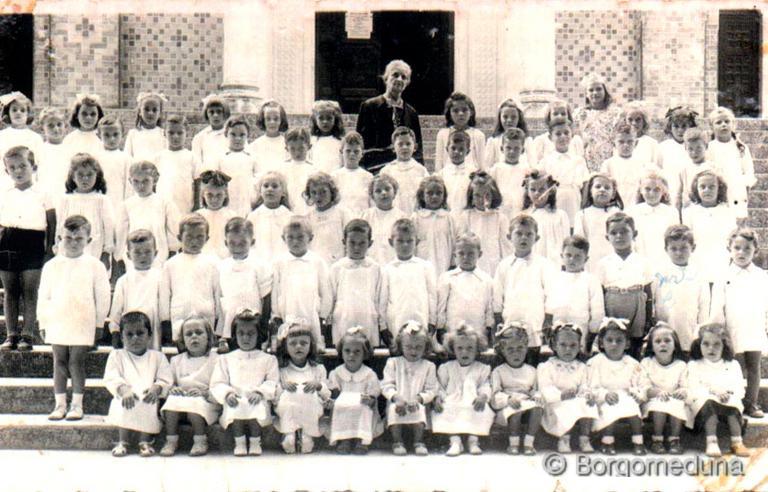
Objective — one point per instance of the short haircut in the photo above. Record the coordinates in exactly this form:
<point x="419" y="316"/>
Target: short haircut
<point x="141" y="236"/>
<point x="143" y="167"/>
<point x="21" y="152"/>
<point x="383" y="178"/>
<point x="559" y="121"/>
<point x="52" y="113"/>
<point x="623" y="128"/>
<point x="233" y="121"/>
<point x="464" y="330"/>
<point x="297" y="135"/>
<point x="695" y="134"/>
<point x="745" y="233"/>
<point x="74" y="122"/>
<point x="396" y="65"/>
<point x="74" y="223"/>
<point x="79" y="160"/>
<point x="469" y="238"/>
<point x="176" y="119"/>
<point x="459" y="97"/>
<point x="402" y="131"/>
<point x="298" y="222"/>
<point x="422" y="190"/>
<point x="216" y="179"/>
<point x="459" y="136"/>
<point x="352" y="138"/>
<point x="619" y="218"/>
<point x="355" y="336"/>
<point x="679" y="115"/>
<point x="109" y="121"/>
<point x="320" y="178"/>
<point x="193" y="220"/>
<point x="678" y="232"/>
<point x="403" y="226"/>
<point x="271" y="104"/>
<point x="213" y="102"/>
<point x="637" y="107"/>
<point x="523" y="220"/>
<point x="238" y="225"/>
<point x="409" y="329"/>
<point x="718" y="330"/>
<point x="576" y="241"/>
<point x="358" y="225"/>
<point x="134" y="317"/>
<point x="722" y="187"/>
<point x="513" y="135"/>
<point x="18" y="98"/>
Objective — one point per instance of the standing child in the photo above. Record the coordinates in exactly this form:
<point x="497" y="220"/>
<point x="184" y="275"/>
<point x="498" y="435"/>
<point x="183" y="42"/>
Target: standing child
<point x="624" y="166"/>
<point x="459" y="116"/>
<point x="176" y="166"/>
<point x="85" y="196"/>
<point x="355" y="281"/>
<point x="139" y="288"/>
<point x="567" y="397"/>
<point x="680" y="290"/>
<point x="540" y="202"/>
<point x="326" y="217"/>
<point x="147" y="140"/>
<point x="84" y="119"/>
<point x="715" y="389"/>
<point x="244" y="382"/>
<point x="53" y="167"/>
<point x="301" y="284"/>
<point x="653" y="215"/>
<point x="601" y="200"/>
<point x="355" y="389"/>
<point x="434" y="224"/>
<point x="616" y="380"/>
<point x="114" y="162"/>
<point x="240" y="166"/>
<point x="137" y="377"/>
<point x="666" y="377"/>
<point x="508" y="116"/>
<point x="216" y="210"/>
<point x="695" y="143"/>
<point x="515" y="392"/>
<point x="327" y="129"/>
<point x="405" y="169"/>
<point x="353" y="181"/>
<point x="297" y="169"/>
<point x="510" y="172"/>
<point x="190" y="395"/>
<point x="543" y="145"/>
<point x="672" y="155"/>
<point x="28" y="223"/>
<point x="409" y="384"/>
<point x="626" y="278"/>
<point x="18" y="115"/>
<point x="270" y="148"/>
<point x="269" y="217"/>
<point x="732" y="158"/>
<point x="739" y="302"/>
<point x="74" y="302"/>
<point x="456" y="172"/>
<point x="461" y="406"/>
<point x="303" y="387"/>
<point x="647" y="148"/>
<point x="382" y="216"/>
<point x="210" y="143"/>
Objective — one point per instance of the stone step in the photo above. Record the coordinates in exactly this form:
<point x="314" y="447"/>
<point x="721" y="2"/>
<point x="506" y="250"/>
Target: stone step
<point x="93" y="433"/>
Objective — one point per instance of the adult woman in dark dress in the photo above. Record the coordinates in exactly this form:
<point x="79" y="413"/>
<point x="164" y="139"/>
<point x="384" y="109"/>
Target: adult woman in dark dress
<point x="380" y="115"/>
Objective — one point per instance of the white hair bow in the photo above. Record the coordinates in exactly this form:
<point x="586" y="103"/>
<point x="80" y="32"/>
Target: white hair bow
<point x="357" y="330"/>
<point x="79" y="98"/>
<point x="7" y="99"/>
<point x="621" y="323"/>
<point x="412" y="327"/>
<point x="289" y="325"/>
<point x="146" y="95"/>
<point x="505" y="329"/>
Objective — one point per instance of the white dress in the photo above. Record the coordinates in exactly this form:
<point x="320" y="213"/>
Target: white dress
<point x="95" y="207"/>
<point x="669" y="378"/>
<point x="623" y="377"/>
<point x="408" y="176"/>
<point x="217" y="223"/>
<point x="576" y="297"/>
<point x="78" y="141"/>
<point x="296" y="176"/>
<point x="590" y="223"/>
<point x="299" y="410"/>
<point x="381" y="222"/>
<point x="711" y="228"/>
<point x="140" y="372"/>
<point x="325" y="153"/>
<point x="241" y="373"/>
<point x="270" y="152"/>
<point x="73" y="300"/>
<point x="408" y="292"/>
<point x="116" y="165"/>
<point x="465" y="297"/>
<point x="208" y="146"/>
<point x="53" y="169"/>
<point x="492" y="227"/>
<point x="244" y="283"/>
<point x="13" y="137"/>
<point x="353" y="187"/>
<point x="651" y="223"/>
<point x="542" y="146"/>
<point x="739" y="301"/>
<point x="737" y="170"/>
<point x="355" y="286"/>
<point x="351" y="419"/>
<point x="672" y="158"/>
<point x="268" y="224"/>
<point x="436" y="233"/>
<point x="628" y="174"/>
<point x="475" y="159"/>
<point x="193" y="373"/>
<point x="707" y="379"/>
<point x="647" y="151"/>
<point x="143" y="144"/>
<point x="409" y="380"/>
<point x="177" y="176"/>
<point x="555" y="376"/>
<point x="138" y="290"/>
<point x="459" y="387"/>
<point x="154" y="213"/>
<point x="456" y="179"/>
<point x="189" y="285"/>
<point x="509" y="178"/>
<point x="241" y="167"/>
<point x="328" y="232"/>
<point x="571" y="173"/>
<point x="554" y="227"/>
<point x="519" y="382"/>
<point x="681" y="297"/>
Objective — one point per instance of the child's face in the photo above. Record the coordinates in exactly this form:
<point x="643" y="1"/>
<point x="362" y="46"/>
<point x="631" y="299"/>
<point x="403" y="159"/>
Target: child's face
<point x="614" y="343"/>
<point x="297" y="149"/>
<point x="88" y="117"/>
<point x="457" y="151"/>
<point x="325" y="120"/>
<point x="193" y="238"/>
<point x="465" y="350"/>
<point x="637" y="122"/>
<point x="711" y="347"/>
<point x="722" y="126"/>
<point x="467" y="255"/>
<point x="523" y="238"/>
<point x="509" y="117"/>
<point x="559" y="111"/>
<point x="663" y="345"/>
<point x="652" y="191"/>
<point x="195" y="337"/>
<point x="413" y="347"/>
<point x="405" y="146"/>
<point x="298" y="348"/>
<point x="150" y="113"/>
<point x="272" y="192"/>
<point x="574" y="259"/>
<point x="696" y="150"/>
<point x="514" y="351"/>
<point x="247" y="335"/>
<point x="53" y="129"/>
<point x="596" y="95"/>
<point x="272" y="121"/>
<point x="176" y="135"/>
<point x="434" y="196"/>
<point x="602" y="192"/>
<point x="352" y="354"/>
<point x="679" y="251"/>
<point x="85" y="178"/>
<point x="621" y="235"/>
<point x="214" y="197"/>
<point x="142" y="254"/>
<point x="625" y="144"/>
<point x="297" y="240"/>
<point x="567" y="346"/>
<point x="677" y="129"/>
<point x="482" y="196"/>
<point x="707" y="187"/>
<point x="352" y="153"/>
<point x="215" y="114"/>
<point x="238" y="243"/>
<point x="135" y="337"/>
<point x="538" y="190"/>
<point x="742" y="251"/>
<point x="460" y="114"/>
<point x="383" y="195"/>
<point x="111" y="137"/>
<point x="320" y="194"/>
<point x="404" y="244"/>
<point x="74" y="242"/>
<point x="19" y="169"/>
<point x="512" y="150"/>
<point x="142" y="183"/>
<point x="237" y="137"/>
<point x="561" y="137"/>
<point x="356" y="245"/>
<point x="18" y="113"/>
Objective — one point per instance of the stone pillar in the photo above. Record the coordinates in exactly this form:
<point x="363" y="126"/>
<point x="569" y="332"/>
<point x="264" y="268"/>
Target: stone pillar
<point x="247" y="77"/>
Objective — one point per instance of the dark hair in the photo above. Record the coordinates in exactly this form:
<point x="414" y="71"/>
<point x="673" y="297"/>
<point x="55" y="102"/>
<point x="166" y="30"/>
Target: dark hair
<point x="576" y="241"/>
<point x="509" y="103"/>
<point x="715" y="329"/>
<point x="386" y="178"/>
<point x="586" y="192"/>
<point x="623" y="128"/>
<point x="679" y="115"/>
<point x="18" y="98"/>
<point x="283" y="116"/>
<point x="536" y="175"/>
<point x="140" y="236"/>
<point x="405" y="226"/>
<point x="523" y="220"/>
<point x="238" y="225"/>
<point x="458" y="97"/>
<point x="554" y="104"/>
<point x="482" y="178"/>
<point x="402" y="131"/>
<point x="216" y="179"/>
<point x="297" y="135"/>
<point x="338" y="122"/>
<point x="421" y="192"/>
<point x="246" y="316"/>
<point x="216" y="101"/>
<point x="358" y="225"/>
<point x="110" y="120"/>
<point x="352" y="138"/>
<point x="236" y="120"/>
<point x="620" y="218"/>
<point x="283" y="359"/>
<point x="23" y="152"/>
<point x="86" y="101"/>
<point x="74" y="223"/>
<point x="604" y="330"/>
<point x="367" y="349"/>
<point x="678" y="232"/>
<point x="722" y="187"/>
<point x="560" y="328"/>
<point x="193" y="219"/>
<point x="83" y="160"/>
<point x="133" y="317"/>
<point x="515" y="135"/>
<point x="677" y="353"/>
<point x="459" y="136"/>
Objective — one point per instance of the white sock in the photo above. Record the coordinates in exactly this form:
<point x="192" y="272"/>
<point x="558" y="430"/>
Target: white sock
<point x="196" y="439"/>
<point x="607" y="440"/>
<point x="77" y="400"/>
<point x="514" y="441"/>
<point x="736" y="440"/>
<point x="61" y="399"/>
<point x="456" y="440"/>
<point x="711" y="439"/>
<point x="657" y="438"/>
<point x="254" y="441"/>
<point x="172" y="438"/>
<point x="528" y="442"/>
<point x="239" y="440"/>
<point x="637" y="439"/>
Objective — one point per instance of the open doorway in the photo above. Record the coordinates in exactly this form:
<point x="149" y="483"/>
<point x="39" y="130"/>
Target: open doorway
<point x="16" y="55"/>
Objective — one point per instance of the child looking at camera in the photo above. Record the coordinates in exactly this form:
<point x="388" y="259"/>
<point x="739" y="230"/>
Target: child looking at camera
<point x="176" y="166"/>
<point x="353" y="181"/>
<point x="147" y="140"/>
<point x="382" y="216"/>
<point x="405" y="170"/>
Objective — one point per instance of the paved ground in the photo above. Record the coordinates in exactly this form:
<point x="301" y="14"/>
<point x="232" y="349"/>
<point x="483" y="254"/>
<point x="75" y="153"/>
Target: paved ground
<point x="98" y="471"/>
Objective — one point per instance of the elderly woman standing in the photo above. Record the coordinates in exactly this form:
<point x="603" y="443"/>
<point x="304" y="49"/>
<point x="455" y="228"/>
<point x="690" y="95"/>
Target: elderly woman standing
<point x="380" y="115"/>
<point x="596" y="121"/>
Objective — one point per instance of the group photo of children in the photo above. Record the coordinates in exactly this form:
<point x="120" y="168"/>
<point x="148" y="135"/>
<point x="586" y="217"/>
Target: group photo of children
<point x="570" y="283"/>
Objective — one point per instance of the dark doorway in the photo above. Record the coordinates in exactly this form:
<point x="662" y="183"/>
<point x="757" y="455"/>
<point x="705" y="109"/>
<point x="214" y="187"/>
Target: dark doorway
<point x="348" y="70"/>
<point x="16" y="41"/>
<point x="738" y="61"/>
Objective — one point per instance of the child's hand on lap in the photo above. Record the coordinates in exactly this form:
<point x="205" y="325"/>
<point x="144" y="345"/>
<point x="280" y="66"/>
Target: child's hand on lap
<point x="612" y="398"/>
<point x="413" y="406"/>
<point x="591" y="401"/>
<point x="680" y="394"/>
<point x="128" y="396"/>
<point x="196" y="392"/>
<point x="254" y="398"/>
<point x="568" y="394"/>
<point x="513" y="402"/>
<point x="290" y="387"/>
<point x="176" y="391"/>
<point x="479" y="403"/>
<point x="367" y="400"/>
<point x="151" y="394"/>
<point x="231" y="399"/>
<point x="400" y="406"/>
<point x="723" y="397"/>
<point x="437" y="404"/>
<point x="653" y="393"/>
<point x="312" y="386"/>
